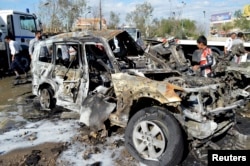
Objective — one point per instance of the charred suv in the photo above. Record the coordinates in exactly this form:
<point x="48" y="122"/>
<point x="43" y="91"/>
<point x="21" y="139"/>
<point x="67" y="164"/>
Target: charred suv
<point x="126" y="87"/>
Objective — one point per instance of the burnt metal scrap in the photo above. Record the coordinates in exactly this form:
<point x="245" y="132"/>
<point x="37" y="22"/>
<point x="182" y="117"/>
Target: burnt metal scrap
<point x="111" y="78"/>
<point x="129" y="88"/>
<point x="243" y="68"/>
<point x="170" y="52"/>
<point x="235" y="75"/>
<point x="238" y="75"/>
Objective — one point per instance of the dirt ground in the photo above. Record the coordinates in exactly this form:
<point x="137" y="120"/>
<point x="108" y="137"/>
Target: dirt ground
<point x="47" y="153"/>
<point x="44" y="154"/>
<point x="9" y="92"/>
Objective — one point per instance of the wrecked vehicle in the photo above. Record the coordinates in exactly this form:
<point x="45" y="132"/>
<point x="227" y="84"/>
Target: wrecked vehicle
<point x="238" y="77"/>
<point x="170" y="52"/>
<point x="129" y="90"/>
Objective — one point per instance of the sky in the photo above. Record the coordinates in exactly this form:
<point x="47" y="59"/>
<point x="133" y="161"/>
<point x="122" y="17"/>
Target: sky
<point x="199" y="11"/>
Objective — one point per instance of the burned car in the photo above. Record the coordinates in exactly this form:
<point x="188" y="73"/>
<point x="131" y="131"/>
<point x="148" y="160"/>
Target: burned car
<point x="238" y="77"/>
<point x="170" y="52"/>
<point x="129" y="89"/>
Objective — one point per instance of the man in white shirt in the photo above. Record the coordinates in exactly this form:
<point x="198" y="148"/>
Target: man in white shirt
<point x="15" y="49"/>
<point x="228" y="44"/>
<point x="238" y="49"/>
<point x="34" y="42"/>
<point x="239" y="39"/>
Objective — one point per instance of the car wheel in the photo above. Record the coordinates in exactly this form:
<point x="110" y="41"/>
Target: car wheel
<point x="46" y="99"/>
<point x="154" y="137"/>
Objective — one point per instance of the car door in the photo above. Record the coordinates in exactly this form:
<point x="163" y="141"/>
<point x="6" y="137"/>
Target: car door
<point x="41" y="65"/>
<point x="69" y="72"/>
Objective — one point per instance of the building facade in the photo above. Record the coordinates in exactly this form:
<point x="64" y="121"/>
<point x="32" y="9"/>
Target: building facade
<point x="221" y="24"/>
<point x="89" y="24"/>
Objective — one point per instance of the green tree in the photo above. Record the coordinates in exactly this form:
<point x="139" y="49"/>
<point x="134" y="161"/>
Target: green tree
<point x="57" y="15"/>
<point x="166" y="27"/>
<point x="170" y="27"/>
<point x="241" y="22"/>
<point x="141" y="17"/>
<point x="227" y="26"/>
<point x="114" y="20"/>
<point x="70" y="10"/>
<point x="237" y="14"/>
<point x="188" y="28"/>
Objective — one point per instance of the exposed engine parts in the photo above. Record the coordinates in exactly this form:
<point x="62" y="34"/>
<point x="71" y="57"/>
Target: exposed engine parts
<point x="148" y="92"/>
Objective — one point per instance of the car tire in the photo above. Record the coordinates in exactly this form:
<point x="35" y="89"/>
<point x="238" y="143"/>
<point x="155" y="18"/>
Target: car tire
<point x="46" y="99"/>
<point x="154" y="137"/>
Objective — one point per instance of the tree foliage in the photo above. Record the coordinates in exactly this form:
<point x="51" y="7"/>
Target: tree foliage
<point x="227" y="26"/>
<point x="170" y="27"/>
<point x="141" y="17"/>
<point x="114" y="20"/>
<point x="241" y="22"/>
<point x="57" y="15"/>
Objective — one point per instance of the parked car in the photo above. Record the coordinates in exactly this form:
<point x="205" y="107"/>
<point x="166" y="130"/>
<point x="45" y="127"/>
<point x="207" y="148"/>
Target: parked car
<point x="129" y="89"/>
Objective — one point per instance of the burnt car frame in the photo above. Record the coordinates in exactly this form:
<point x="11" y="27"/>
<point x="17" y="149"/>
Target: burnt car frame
<point x="129" y="89"/>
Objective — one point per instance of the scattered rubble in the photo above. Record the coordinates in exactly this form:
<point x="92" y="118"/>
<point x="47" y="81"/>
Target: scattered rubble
<point x="44" y="154"/>
<point x="70" y="115"/>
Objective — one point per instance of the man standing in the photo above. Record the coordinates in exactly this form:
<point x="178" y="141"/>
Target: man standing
<point x="228" y="44"/>
<point x="239" y="39"/>
<point x="15" y="50"/>
<point x="238" y="49"/>
<point x="34" y="42"/>
<point x="206" y="59"/>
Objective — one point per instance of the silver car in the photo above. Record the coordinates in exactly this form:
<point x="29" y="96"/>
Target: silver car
<point x="129" y="89"/>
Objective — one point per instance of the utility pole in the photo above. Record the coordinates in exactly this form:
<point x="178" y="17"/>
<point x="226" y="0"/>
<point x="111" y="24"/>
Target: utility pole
<point x="100" y="15"/>
<point x="204" y="24"/>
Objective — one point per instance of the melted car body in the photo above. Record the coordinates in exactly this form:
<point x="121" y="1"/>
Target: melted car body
<point x="130" y="88"/>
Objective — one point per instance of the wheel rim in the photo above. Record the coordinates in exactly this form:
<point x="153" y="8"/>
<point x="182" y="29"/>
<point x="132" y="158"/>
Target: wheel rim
<point x="149" y="140"/>
<point x="45" y="98"/>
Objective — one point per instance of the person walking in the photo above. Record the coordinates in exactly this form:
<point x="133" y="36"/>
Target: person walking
<point x="206" y="58"/>
<point x="15" y="49"/>
<point x="34" y="42"/>
<point x="229" y="43"/>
